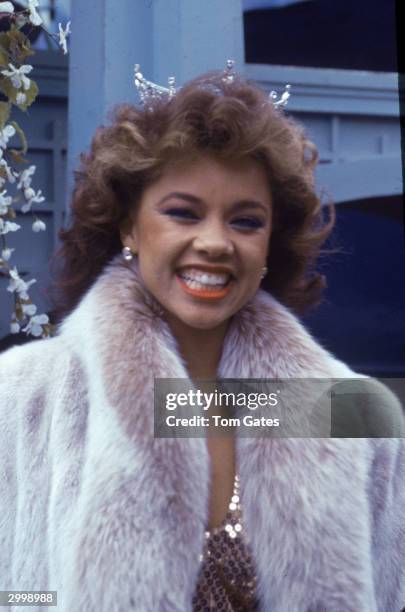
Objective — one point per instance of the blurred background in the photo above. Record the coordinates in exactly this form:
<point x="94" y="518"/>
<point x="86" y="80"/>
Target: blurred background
<point x="341" y="59"/>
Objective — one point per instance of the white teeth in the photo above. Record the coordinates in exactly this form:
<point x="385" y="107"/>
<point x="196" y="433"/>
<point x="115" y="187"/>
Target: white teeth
<point x="193" y="284"/>
<point x="197" y="278"/>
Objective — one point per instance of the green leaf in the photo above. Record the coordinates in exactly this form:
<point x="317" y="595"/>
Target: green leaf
<point x="15" y="45"/>
<point x="8" y="88"/>
<point x="4" y="58"/>
<point x="11" y="214"/>
<point x="20" y="46"/>
<point x="11" y="92"/>
<point x="17" y="156"/>
<point x="24" y="143"/>
<point x="5" y="108"/>
<point x="24" y="50"/>
<point x="5" y="41"/>
<point x="19" y="311"/>
<point x="15" y="35"/>
<point x="49" y="329"/>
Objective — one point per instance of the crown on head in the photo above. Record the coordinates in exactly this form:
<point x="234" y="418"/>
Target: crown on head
<point x="149" y="91"/>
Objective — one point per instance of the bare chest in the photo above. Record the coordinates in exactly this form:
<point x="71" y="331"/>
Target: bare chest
<point x="222" y="456"/>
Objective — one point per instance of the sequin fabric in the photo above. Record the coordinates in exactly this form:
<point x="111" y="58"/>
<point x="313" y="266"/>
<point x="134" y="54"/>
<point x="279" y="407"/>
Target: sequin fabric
<point x="227" y="581"/>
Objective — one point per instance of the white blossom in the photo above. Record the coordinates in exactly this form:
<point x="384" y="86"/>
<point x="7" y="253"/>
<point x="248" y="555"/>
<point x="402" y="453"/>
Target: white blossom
<point x="21" y="98"/>
<point x="33" y="198"/>
<point x="29" y="193"/>
<point x="14" y="327"/>
<point x="63" y="34"/>
<point x="6" y="7"/>
<point x="8" y="226"/>
<point x="18" y="285"/>
<point x="5" y="134"/>
<point x="6" y="253"/>
<point x="25" y="177"/>
<point x="34" y="16"/>
<point x="17" y="75"/>
<point x="34" y="326"/>
<point x="4" y="138"/>
<point x="38" y="226"/>
<point x="5" y="202"/>
<point x="11" y="175"/>
<point x="29" y="309"/>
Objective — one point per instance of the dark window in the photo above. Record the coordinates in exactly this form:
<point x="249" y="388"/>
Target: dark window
<point x="349" y="34"/>
<point x="362" y="319"/>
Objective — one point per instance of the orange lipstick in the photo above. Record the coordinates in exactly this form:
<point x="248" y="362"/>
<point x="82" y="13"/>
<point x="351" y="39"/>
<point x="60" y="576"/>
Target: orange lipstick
<point x="214" y="294"/>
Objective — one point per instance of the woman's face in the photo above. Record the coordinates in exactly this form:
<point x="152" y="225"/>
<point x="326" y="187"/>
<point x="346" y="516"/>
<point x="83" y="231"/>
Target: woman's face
<point x="202" y="232"/>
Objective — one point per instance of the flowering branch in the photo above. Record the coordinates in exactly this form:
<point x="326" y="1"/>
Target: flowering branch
<point x="19" y="90"/>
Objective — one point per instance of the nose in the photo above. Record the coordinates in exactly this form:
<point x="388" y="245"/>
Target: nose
<point x="213" y="240"/>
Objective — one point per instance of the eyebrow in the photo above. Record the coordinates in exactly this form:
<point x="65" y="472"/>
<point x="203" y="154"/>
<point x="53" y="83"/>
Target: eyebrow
<point x="192" y="199"/>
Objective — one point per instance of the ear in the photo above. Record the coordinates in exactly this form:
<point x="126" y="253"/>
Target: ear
<point x="129" y="233"/>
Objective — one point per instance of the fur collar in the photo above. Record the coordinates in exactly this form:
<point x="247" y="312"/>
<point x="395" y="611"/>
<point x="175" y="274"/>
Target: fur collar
<point x="305" y="509"/>
<point x="126" y="344"/>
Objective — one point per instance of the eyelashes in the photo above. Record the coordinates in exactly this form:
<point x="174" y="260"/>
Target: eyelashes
<point x="189" y="215"/>
<point x="182" y="213"/>
<point x="249" y="222"/>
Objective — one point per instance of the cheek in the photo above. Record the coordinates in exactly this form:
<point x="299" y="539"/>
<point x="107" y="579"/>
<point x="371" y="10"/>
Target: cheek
<point x="255" y="256"/>
<point x="160" y="251"/>
<point x="158" y="233"/>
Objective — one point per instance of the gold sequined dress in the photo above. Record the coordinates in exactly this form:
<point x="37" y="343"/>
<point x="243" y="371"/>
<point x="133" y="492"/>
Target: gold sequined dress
<point x="227" y="580"/>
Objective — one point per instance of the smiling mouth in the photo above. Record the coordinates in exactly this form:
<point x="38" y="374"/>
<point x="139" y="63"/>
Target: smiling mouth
<point x="204" y="285"/>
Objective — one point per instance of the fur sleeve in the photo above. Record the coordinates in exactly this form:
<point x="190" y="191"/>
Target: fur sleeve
<point x="29" y="382"/>
<point x="387" y="504"/>
<point x="366" y="408"/>
<point x="9" y="377"/>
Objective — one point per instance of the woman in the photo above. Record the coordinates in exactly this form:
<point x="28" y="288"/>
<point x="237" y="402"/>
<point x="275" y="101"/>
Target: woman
<point x="199" y="192"/>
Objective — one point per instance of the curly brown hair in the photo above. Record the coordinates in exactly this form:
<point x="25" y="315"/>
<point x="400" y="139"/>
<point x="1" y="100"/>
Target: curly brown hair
<point x="232" y="120"/>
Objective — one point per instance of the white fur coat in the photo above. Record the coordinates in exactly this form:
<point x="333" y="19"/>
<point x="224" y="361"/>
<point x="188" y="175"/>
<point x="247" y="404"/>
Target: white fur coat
<point x="95" y="507"/>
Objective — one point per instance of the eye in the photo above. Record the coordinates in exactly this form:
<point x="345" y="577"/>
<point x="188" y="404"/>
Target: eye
<point x="181" y="213"/>
<point x="248" y="222"/>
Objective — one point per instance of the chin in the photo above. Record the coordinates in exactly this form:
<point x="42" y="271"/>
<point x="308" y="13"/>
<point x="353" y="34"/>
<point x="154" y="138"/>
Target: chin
<point x="207" y="324"/>
<point x="198" y="322"/>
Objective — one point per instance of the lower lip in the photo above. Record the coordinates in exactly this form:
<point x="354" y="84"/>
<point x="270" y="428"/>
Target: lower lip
<point x="204" y="294"/>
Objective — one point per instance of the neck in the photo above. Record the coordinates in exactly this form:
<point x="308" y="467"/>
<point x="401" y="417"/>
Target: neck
<point x="200" y="348"/>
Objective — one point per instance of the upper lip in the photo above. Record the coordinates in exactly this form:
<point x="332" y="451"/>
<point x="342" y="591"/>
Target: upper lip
<point x="207" y="268"/>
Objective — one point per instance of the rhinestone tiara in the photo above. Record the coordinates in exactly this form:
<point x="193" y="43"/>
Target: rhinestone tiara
<point x="149" y="91"/>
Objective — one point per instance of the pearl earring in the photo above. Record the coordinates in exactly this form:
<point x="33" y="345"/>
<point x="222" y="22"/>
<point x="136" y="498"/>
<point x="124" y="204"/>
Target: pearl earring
<point x="264" y="272"/>
<point x="127" y="254"/>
